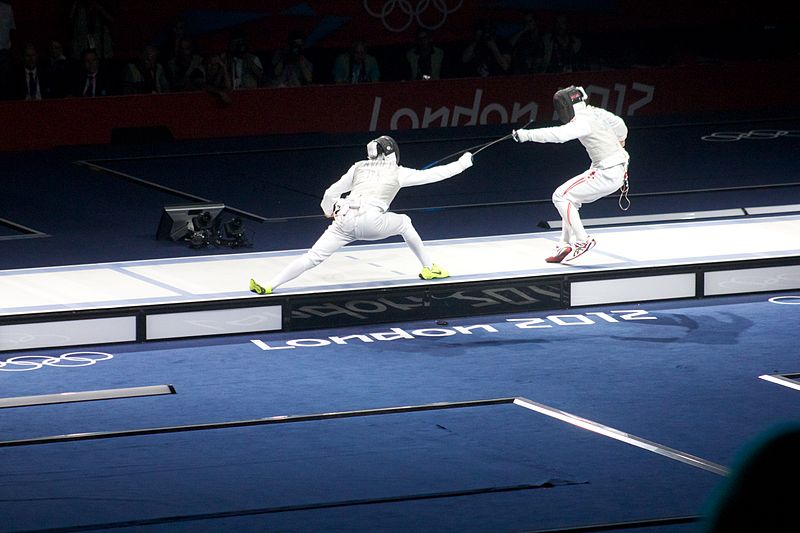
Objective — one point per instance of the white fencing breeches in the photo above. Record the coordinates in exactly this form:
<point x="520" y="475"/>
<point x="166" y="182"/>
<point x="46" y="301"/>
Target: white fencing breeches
<point x="366" y="223"/>
<point x="584" y="188"/>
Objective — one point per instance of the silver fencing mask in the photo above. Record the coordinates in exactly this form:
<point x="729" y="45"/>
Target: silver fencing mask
<point x="564" y="100"/>
<point x="383" y="145"/>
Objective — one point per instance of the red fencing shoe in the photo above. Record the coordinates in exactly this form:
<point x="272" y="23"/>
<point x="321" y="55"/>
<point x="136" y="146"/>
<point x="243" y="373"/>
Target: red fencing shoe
<point x="561" y="251"/>
<point x="580" y="248"/>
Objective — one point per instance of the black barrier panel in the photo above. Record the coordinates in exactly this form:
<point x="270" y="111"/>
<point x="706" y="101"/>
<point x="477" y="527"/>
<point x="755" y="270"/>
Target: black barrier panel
<point x="350" y="309"/>
<point x="141" y="135"/>
<point x="498" y="297"/>
<point x="417" y="303"/>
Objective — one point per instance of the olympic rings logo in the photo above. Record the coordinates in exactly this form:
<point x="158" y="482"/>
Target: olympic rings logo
<point x="409" y="13"/>
<point x="733" y="136"/>
<point x="23" y="363"/>
<point x="785" y="300"/>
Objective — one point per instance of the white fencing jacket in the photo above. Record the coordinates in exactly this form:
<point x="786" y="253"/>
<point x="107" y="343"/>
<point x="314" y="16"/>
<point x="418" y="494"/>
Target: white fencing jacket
<point x="376" y="181"/>
<point x="599" y="131"/>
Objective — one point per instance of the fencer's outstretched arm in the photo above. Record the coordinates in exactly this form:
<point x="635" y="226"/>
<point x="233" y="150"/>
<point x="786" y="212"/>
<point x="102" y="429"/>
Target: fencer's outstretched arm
<point x="335" y="191"/>
<point x="577" y="127"/>
<point x="410" y="177"/>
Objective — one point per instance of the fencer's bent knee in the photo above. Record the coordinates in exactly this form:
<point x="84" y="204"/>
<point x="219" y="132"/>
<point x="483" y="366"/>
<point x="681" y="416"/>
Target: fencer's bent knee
<point x="560" y="199"/>
<point x="564" y="199"/>
<point x="314" y="257"/>
<point x="405" y="223"/>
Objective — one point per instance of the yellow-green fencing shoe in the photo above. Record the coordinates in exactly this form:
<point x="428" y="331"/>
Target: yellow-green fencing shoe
<point x="258" y="289"/>
<point x="434" y="272"/>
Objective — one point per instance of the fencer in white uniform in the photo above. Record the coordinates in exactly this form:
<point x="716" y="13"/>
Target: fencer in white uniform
<point x="603" y="134"/>
<point x="364" y="213"/>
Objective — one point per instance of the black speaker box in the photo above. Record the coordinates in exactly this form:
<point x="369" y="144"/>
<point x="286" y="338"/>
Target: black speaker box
<point x="179" y="221"/>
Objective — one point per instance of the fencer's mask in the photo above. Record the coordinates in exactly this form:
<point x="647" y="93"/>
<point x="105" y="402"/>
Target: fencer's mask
<point x="566" y="100"/>
<point x="383" y="146"/>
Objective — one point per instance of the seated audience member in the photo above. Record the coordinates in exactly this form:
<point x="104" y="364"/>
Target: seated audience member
<point x="146" y="75"/>
<point x="170" y="48"/>
<point x="28" y="77"/>
<point x="356" y="66"/>
<point x="185" y="71"/>
<point x="424" y="59"/>
<point x="564" y="47"/>
<point x="290" y="65"/>
<point x="57" y="70"/>
<point x="89" y="23"/>
<point x="244" y="67"/>
<point x="7" y="28"/>
<point x="218" y="79"/>
<point x="529" y="54"/>
<point x="485" y="55"/>
<point x="92" y="79"/>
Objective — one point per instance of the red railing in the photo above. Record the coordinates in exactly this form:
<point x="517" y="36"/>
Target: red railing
<point x="392" y="106"/>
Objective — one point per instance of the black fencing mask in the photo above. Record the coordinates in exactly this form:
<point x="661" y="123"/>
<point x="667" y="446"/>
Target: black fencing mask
<point x="383" y="145"/>
<point x="565" y="99"/>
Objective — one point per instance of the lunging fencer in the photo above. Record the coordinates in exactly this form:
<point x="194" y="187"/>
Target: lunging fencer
<point x="364" y="213"/>
<point x="603" y="134"/>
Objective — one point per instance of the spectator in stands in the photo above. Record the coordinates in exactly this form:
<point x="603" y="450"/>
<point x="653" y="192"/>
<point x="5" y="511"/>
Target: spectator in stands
<point x="7" y="25"/>
<point x="185" y="71"/>
<point x="56" y="71"/>
<point x="218" y="79"/>
<point x="146" y="75"/>
<point x="290" y="65"/>
<point x="424" y="59"/>
<point x="244" y="67"/>
<point x="90" y="28"/>
<point x="485" y="55"/>
<point x="170" y="49"/>
<point x="753" y="497"/>
<point x="564" y="47"/>
<point x="28" y="80"/>
<point x="356" y="66"/>
<point x="529" y="55"/>
<point x="92" y="79"/>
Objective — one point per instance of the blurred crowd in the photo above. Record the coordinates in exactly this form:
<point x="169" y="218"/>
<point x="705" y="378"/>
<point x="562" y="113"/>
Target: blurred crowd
<point x="84" y="63"/>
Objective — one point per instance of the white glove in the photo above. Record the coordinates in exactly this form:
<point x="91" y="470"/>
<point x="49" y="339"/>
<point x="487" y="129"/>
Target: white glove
<point x="519" y="136"/>
<point x="465" y="160"/>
